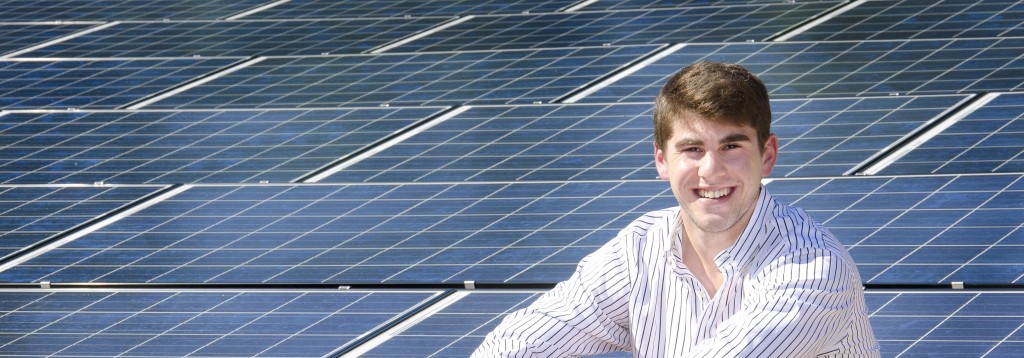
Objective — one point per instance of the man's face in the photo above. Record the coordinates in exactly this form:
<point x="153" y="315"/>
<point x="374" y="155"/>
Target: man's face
<point x="715" y="171"/>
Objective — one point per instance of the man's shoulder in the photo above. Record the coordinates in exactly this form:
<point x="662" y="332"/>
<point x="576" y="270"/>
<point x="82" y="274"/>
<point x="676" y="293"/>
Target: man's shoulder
<point x="795" y="231"/>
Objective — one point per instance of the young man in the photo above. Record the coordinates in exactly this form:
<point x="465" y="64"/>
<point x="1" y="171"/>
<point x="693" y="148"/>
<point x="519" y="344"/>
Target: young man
<point x="730" y="272"/>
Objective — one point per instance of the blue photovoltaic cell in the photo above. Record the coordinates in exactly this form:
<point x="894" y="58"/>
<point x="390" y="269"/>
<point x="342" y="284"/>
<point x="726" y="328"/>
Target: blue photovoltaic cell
<point x="445" y="78"/>
<point x="661" y="4"/>
<point x="818" y="137"/>
<point x="966" y="324"/>
<point x="957" y="324"/>
<point x="834" y="69"/>
<point x="412" y="233"/>
<point x="922" y="230"/>
<point x="988" y="140"/>
<point x="29" y="215"/>
<point x="161" y="323"/>
<point x="94" y="84"/>
<point x="237" y="38"/>
<point x="56" y="10"/>
<point x="702" y="24"/>
<point x="18" y="36"/>
<point x="921" y="19"/>
<point x="188" y="146"/>
<point x="384" y="8"/>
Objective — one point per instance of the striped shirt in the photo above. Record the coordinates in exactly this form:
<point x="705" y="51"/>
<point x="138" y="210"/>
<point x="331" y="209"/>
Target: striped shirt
<point x="790" y="290"/>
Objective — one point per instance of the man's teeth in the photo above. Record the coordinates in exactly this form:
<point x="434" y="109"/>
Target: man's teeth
<point x="713" y="194"/>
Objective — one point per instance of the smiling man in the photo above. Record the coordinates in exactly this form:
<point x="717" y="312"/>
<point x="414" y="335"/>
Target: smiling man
<point x="730" y="272"/>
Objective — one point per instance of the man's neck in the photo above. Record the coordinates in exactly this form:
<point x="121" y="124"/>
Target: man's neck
<point x="700" y="248"/>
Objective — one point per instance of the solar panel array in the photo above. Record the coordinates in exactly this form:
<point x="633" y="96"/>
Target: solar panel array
<point x="199" y="178"/>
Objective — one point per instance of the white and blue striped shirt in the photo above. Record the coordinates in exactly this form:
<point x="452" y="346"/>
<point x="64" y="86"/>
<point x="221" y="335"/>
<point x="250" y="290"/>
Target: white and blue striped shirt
<point x="790" y="290"/>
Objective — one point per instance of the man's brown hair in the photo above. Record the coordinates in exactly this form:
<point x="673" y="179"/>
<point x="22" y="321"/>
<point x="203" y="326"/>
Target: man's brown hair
<point x="724" y="93"/>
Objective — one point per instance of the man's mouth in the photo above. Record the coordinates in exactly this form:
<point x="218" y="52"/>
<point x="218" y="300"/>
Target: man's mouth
<point x="713" y="194"/>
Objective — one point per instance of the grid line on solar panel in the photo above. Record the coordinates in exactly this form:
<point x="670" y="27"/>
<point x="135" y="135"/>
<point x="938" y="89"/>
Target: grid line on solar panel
<point x="163" y="323"/>
<point x="304" y="9"/>
<point x="920" y="19"/>
<point x="900" y="230"/>
<point x="818" y="137"/>
<point x="842" y="68"/>
<point x="109" y="83"/>
<point x="660" y="4"/>
<point x="442" y="78"/>
<point x="14" y="37"/>
<point x="30" y="215"/>
<point x="704" y="24"/>
<point x="188" y="146"/>
<point x="988" y="140"/>
<point x="237" y="38"/>
<point x="64" y="10"/>
<point x="964" y="323"/>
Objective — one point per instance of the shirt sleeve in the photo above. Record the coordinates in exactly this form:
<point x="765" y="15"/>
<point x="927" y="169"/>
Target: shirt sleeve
<point x="802" y="306"/>
<point x="586" y="314"/>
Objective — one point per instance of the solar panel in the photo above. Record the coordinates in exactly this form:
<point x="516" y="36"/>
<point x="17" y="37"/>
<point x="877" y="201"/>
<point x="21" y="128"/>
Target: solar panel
<point x="701" y="24"/>
<point x="656" y="4"/>
<point x="900" y="230"/>
<point x="834" y="69"/>
<point x="988" y="140"/>
<point x="444" y="78"/>
<point x="904" y="322"/>
<point x="161" y="323"/>
<point x="96" y="83"/>
<point x="55" y="10"/>
<point x="921" y="229"/>
<point x="819" y="137"/>
<point x="345" y="234"/>
<point x="969" y="324"/>
<point x="237" y="38"/>
<point x="188" y="146"/>
<point x="921" y="19"/>
<point x="382" y="8"/>
<point x="31" y="214"/>
<point x="18" y="36"/>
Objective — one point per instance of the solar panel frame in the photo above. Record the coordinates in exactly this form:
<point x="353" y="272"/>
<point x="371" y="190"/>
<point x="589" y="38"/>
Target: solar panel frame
<point x="175" y="323"/>
<point x="628" y="27"/>
<point x="918" y="19"/>
<point x="818" y="137"/>
<point x="844" y="68"/>
<point x="95" y="83"/>
<point x="408" y="79"/>
<point x="189" y="146"/>
<point x="137" y="39"/>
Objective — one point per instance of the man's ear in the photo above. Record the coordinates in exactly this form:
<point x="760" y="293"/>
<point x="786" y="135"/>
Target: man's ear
<point x="659" y="161"/>
<point x="769" y="155"/>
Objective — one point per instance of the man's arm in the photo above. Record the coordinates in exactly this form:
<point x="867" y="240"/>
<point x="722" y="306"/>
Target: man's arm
<point x="586" y="314"/>
<point x="802" y="305"/>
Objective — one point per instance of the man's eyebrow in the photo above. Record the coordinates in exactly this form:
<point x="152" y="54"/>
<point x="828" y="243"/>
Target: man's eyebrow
<point x="735" y="137"/>
<point x="686" y="142"/>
